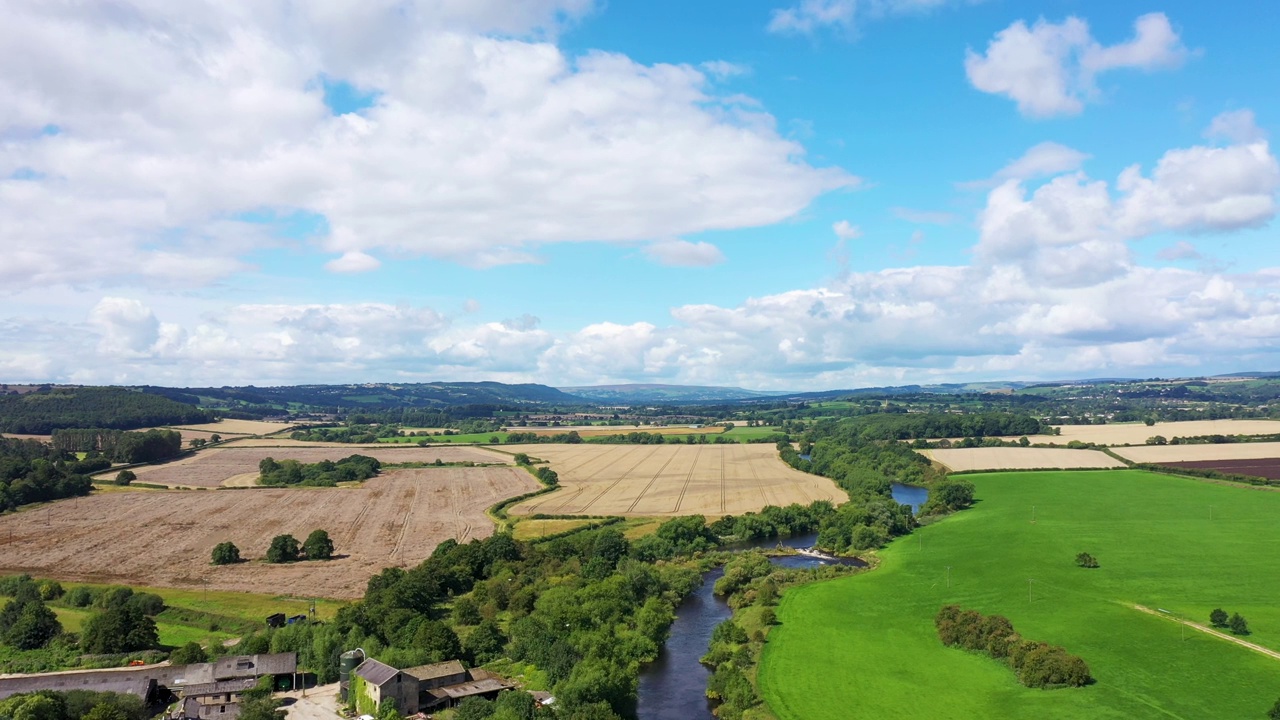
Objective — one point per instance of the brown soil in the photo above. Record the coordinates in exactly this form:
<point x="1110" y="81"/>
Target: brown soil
<point x="165" y="538"/>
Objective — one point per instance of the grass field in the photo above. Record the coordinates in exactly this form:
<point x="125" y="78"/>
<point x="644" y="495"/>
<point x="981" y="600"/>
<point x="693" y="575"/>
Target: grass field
<point x="743" y="434"/>
<point x="671" y="479"/>
<point x="880" y="656"/>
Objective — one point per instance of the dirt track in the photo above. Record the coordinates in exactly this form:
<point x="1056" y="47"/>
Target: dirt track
<point x="1205" y="629"/>
<point x="211" y="468"/>
<point x="165" y="538"/>
<point x="671" y="479"/>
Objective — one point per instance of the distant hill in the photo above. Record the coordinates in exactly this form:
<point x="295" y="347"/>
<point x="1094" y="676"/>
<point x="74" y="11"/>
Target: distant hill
<point x="44" y="411"/>
<point x="370" y="396"/>
<point x="641" y="393"/>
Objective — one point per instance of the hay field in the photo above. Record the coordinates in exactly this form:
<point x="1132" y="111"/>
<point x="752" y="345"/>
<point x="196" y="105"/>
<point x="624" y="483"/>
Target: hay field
<point x="669" y="480"/>
<point x="1137" y="433"/>
<point x="238" y="427"/>
<point x="1198" y="453"/>
<point x="1011" y="458"/>
<point x="214" y="467"/>
<point x="393" y="520"/>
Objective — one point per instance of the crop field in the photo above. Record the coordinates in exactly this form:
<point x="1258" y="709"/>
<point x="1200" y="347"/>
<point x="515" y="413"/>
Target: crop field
<point x="1263" y="468"/>
<point x="1198" y="453"/>
<point x="238" y="427"/>
<point x="234" y="465"/>
<point x="652" y="480"/>
<point x="392" y="520"/>
<point x="606" y="430"/>
<point x="1157" y="545"/>
<point x="1137" y="433"/>
<point x="1011" y="458"/>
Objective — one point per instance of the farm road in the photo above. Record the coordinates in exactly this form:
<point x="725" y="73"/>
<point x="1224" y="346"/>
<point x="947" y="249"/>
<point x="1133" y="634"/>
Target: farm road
<point x="1204" y="629"/>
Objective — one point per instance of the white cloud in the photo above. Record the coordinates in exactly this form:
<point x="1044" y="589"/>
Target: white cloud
<point x="1050" y="68"/>
<point x="1237" y="126"/>
<point x="126" y="327"/>
<point x="682" y="253"/>
<point x="353" y="262"/>
<point x="723" y="69"/>
<point x="1181" y="250"/>
<point x="178" y="122"/>
<point x="846" y="231"/>
<point x="809" y="16"/>
<point x="1043" y="160"/>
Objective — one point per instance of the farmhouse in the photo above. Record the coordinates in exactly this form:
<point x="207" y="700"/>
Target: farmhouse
<point x="427" y="687"/>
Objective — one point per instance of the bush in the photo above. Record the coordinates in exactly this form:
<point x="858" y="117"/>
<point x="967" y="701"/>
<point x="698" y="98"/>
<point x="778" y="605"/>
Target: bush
<point x="284" y="549"/>
<point x="124" y="477"/>
<point x="188" y="654"/>
<point x="1038" y="665"/>
<point x="1085" y="560"/>
<point x="225" y="553"/>
<point x="318" y="546"/>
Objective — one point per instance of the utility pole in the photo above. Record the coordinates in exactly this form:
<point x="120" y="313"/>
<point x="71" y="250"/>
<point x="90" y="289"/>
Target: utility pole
<point x="1210" y="512"/>
<point x="1029" y="599"/>
<point x="1033" y="514"/>
<point x="948" y="576"/>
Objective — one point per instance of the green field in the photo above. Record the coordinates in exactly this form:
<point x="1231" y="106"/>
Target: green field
<point x="743" y="434"/>
<point x="865" y="646"/>
<point x="451" y="439"/>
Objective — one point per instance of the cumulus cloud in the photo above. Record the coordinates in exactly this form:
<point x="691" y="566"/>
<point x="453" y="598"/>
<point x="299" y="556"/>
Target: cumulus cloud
<point x="1050" y="68"/>
<point x="846" y="231"/>
<point x="682" y="253"/>
<point x="1181" y="250"/>
<point x="172" y="126"/>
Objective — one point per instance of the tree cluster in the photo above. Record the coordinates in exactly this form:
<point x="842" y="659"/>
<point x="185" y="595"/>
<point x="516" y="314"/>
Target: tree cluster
<point x="1235" y="623"/>
<point x="25" y="622"/>
<point x="286" y="548"/>
<point x="73" y="705"/>
<point x="42" y="412"/>
<point x="121" y="446"/>
<point x="32" y="471"/>
<point x="1085" y="560"/>
<point x="326" y="473"/>
<point x="1037" y="664"/>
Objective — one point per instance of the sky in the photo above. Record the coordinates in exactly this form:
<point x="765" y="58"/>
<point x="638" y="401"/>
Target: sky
<point x="770" y="194"/>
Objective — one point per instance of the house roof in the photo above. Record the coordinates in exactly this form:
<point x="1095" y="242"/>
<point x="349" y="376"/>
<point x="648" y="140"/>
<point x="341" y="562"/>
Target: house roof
<point x="437" y="670"/>
<point x="238" y="666"/>
<point x="377" y="673"/>
<point x="220" y="687"/>
<point x="467" y="689"/>
<point x="130" y="683"/>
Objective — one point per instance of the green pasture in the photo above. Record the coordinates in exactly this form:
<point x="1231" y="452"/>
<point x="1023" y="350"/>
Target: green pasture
<point x="743" y="434"/>
<point x="451" y="439"/>
<point x="865" y="646"/>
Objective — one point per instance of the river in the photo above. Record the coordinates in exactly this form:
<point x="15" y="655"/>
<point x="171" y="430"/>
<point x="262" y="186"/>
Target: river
<point x="674" y="687"/>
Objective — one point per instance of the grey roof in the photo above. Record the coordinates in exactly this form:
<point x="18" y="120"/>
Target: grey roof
<point x="220" y="687"/>
<point x="238" y="666"/>
<point x="372" y="671"/>
<point x="437" y="670"/>
<point x="131" y="683"/>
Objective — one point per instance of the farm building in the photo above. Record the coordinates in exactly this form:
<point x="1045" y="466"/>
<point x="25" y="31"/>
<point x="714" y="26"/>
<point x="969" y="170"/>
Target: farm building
<point x="214" y="701"/>
<point x="374" y="683"/>
<point x="427" y="687"/>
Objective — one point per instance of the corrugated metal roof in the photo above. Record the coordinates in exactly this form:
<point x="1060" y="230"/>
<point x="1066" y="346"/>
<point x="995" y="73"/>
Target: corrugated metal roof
<point x="379" y="674"/>
<point x="437" y="670"/>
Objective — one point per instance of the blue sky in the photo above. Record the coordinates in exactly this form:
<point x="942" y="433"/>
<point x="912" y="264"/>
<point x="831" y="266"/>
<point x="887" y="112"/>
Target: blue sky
<point x="796" y="194"/>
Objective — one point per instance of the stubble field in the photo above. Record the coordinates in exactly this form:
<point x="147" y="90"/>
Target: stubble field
<point x="670" y="480"/>
<point x="1200" y="453"/>
<point x="1137" y="433"/>
<point x="165" y="538"/>
<point x="232" y="465"/>
<point x="1011" y="458"/>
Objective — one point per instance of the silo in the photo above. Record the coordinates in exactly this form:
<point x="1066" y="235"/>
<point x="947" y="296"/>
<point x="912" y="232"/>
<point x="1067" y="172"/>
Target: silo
<point x="346" y="664"/>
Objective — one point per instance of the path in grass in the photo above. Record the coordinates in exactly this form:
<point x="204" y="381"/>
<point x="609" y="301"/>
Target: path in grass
<point x="865" y="646"/>
<point x="1216" y="633"/>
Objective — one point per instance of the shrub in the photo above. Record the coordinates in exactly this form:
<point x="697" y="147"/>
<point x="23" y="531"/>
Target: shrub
<point x="1218" y="618"/>
<point x="284" y="548"/>
<point x="1038" y="665"/>
<point x="124" y="477"/>
<point x="188" y="654"/>
<point x="318" y="546"/>
<point x="226" y="553"/>
<point x="1085" y="560"/>
<point x="1238" y="625"/>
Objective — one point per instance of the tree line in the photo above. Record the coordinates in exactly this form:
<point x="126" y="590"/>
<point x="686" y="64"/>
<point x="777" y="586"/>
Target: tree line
<point x="1037" y="664"/>
<point x="120" y="446"/>
<point x="326" y="473"/>
<point x="123" y="620"/>
<point x="32" y="471"/>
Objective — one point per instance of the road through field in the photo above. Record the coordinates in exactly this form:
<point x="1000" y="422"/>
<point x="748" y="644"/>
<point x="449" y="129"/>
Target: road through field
<point x="1205" y="629"/>
<point x="670" y="480"/>
<point x="395" y="519"/>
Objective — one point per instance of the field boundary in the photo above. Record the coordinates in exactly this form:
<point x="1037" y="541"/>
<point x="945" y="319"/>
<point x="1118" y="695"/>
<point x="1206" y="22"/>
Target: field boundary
<point x="1206" y="629"/>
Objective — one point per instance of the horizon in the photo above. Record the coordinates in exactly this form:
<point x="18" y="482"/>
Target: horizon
<point x="773" y="195"/>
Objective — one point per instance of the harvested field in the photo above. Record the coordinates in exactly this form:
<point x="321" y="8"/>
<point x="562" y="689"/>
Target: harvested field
<point x="213" y="467"/>
<point x="1010" y="458"/>
<point x="16" y="436"/>
<point x="392" y="520"/>
<point x="605" y="430"/>
<point x="669" y="480"/>
<point x="1137" y="433"/>
<point x="1166" y="454"/>
<point x="1263" y="468"/>
<point x="238" y="427"/>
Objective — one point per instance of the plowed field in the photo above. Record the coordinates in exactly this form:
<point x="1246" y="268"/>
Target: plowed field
<point x="165" y="538"/>
<point x="216" y="466"/>
<point x="671" y="480"/>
